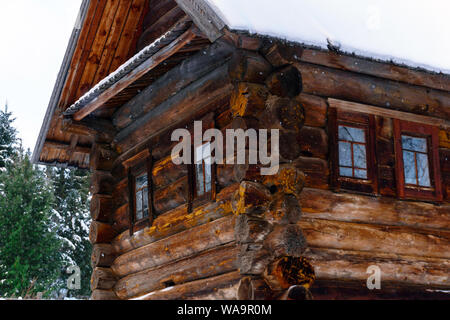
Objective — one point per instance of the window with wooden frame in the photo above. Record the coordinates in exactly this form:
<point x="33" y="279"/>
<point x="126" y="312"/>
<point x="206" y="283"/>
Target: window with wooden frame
<point x="202" y="172"/>
<point x="352" y="140"/>
<point x="140" y="190"/>
<point x="417" y="160"/>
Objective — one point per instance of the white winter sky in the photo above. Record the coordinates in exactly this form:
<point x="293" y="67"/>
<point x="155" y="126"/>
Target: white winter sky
<point x="33" y="39"/>
<point x="34" y="35"/>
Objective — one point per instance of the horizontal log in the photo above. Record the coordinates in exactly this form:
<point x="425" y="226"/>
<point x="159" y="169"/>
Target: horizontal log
<point x="205" y="265"/>
<point x="348" y="265"/>
<point x="388" y="94"/>
<point x="375" y="68"/>
<point x="165" y="172"/>
<point x="172" y="196"/>
<point x="200" y="96"/>
<point x="316" y="109"/>
<point x="177" y="246"/>
<point x="103" y="279"/>
<point x="317" y="172"/>
<point x="173" y="81"/>
<point x="101" y="232"/>
<point x="103" y="255"/>
<point x="121" y="218"/>
<point x="323" y="204"/>
<point x="313" y="142"/>
<point x="217" y="288"/>
<point x="376" y="238"/>
<point x="175" y="221"/>
<point x="101" y="207"/>
<point x="103" y="295"/>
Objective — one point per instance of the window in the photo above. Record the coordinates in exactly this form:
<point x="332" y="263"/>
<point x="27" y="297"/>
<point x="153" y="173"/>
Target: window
<point x="141" y="197"/>
<point x="353" y="151"/>
<point x="203" y="170"/>
<point x="417" y="161"/>
<point x="140" y="202"/>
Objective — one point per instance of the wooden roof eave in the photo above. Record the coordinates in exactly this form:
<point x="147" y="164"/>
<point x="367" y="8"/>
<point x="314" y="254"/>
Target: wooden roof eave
<point x="132" y="71"/>
<point x="60" y="82"/>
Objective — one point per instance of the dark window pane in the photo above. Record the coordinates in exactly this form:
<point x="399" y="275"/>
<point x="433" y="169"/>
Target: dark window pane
<point x="423" y="170"/>
<point x="352" y="134"/>
<point x="410" y="167"/>
<point x="346" y="172"/>
<point x="414" y="144"/>
<point x="359" y="156"/>
<point x="345" y="154"/>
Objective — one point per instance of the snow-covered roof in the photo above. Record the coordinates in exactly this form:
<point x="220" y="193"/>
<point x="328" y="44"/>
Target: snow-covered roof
<point x="415" y="32"/>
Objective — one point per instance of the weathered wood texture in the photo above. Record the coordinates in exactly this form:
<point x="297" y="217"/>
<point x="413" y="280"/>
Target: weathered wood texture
<point x="180" y="245"/>
<point x="204" y="265"/>
<point x="321" y="204"/>
<point x="223" y="287"/>
<point x="176" y="221"/>
<point x="376" y="238"/>
<point x="350" y="265"/>
<point x="327" y="82"/>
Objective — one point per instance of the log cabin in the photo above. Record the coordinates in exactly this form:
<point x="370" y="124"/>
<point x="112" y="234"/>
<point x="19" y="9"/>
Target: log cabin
<point x="363" y="179"/>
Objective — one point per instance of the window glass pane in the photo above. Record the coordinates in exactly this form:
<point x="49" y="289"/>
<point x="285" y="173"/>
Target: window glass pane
<point x="410" y="167"/>
<point x="423" y="170"/>
<point x="345" y="154"/>
<point x="145" y="205"/>
<point x="346" y="172"/>
<point x="141" y="181"/>
<point x="139" y="205"/>
<point x="352" y="134"/>
<point x="208" y="179"/>
<point x="414" y="144"/>
<point x="362" y="174"/>
<point x="359" y="156"/>
<point x="199" y="177"/>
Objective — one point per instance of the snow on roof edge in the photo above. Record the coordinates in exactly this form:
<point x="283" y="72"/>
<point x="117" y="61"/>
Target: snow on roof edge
<point x="349" y="52"/>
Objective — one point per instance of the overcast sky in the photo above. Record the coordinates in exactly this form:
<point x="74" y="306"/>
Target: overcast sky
<point x="33" y="39"/>
<point x="34" y="35"/>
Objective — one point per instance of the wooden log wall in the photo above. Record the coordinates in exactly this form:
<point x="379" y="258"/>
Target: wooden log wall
<point x="256" y="220"/>
<point x="347" y="232"/>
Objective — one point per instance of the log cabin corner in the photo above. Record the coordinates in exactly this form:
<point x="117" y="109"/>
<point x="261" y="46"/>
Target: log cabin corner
<point x="363" y="180"/>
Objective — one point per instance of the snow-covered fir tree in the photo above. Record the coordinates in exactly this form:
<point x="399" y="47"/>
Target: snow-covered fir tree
<point x="71" y="218"/>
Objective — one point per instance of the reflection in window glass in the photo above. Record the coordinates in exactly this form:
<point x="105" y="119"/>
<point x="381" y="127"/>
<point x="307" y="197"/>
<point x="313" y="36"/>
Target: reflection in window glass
<point x="352" y="152"/>
<point x="141" y="197"/>
<point x="415" y="161"/>
<point x="203" y="165"/>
